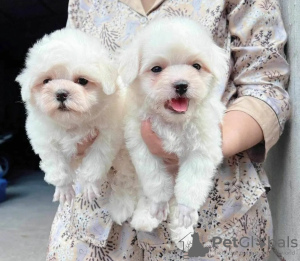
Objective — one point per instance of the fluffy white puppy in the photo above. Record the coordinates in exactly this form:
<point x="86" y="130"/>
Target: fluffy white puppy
<point x="68" y="86"/>
<point x="175" y="75"/>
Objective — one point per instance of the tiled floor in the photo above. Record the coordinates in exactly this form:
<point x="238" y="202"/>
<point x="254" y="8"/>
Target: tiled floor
<point x="25" y="218"/>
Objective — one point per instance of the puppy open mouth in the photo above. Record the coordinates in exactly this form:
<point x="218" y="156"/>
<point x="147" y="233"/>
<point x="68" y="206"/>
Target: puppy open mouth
<point x="63" y="107"/>
<point x="177" y="105"/>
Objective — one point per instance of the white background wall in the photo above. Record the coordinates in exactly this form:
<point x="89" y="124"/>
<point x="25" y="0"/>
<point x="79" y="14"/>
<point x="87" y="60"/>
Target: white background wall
<point x="283" y="163"/>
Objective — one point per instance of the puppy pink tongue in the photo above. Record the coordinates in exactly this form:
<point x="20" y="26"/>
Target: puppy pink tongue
<point x="179" y="104"/>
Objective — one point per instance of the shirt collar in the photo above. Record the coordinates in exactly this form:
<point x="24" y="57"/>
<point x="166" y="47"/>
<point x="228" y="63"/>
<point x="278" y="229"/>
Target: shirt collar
<point x="137" y="6"/>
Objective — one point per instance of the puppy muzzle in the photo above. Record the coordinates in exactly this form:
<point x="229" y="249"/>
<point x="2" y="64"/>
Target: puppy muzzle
<point x="181" y="87"/>
<point x="61" y="97"/>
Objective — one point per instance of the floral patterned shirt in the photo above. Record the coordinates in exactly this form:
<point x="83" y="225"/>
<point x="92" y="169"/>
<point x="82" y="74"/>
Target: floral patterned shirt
<point x="251" y="31"/>
<point x="253" y="35"/>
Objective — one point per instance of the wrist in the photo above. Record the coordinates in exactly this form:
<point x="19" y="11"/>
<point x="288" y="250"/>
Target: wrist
<point x="239" y="133"/>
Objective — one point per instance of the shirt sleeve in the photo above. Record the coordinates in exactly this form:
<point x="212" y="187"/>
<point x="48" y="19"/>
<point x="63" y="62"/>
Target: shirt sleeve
<point x="260" y="72"/>
<point x="77" y="12"/>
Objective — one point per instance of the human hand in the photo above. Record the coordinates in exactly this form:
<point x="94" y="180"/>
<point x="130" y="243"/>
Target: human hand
<point x="86" y="142"/>
<point x="154" y="145"/>
<point x="239" y="133"/>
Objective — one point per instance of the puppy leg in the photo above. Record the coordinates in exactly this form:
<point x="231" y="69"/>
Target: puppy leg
<point x="156" y="183"/>
<point x="58" y="173"/>
<point x="91" y="190"/>
<point x="124" y="184"/>
<point x="180" y="235"/>
<point x="64" y="194"/>
<point x="121" y="206"/>
<point x="192" y="187"/>
<point x="142" y="220"/>
<point x="95" y="165"/>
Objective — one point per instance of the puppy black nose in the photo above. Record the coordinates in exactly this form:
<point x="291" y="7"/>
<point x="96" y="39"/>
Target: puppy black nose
<point x="181" y="87"/>
<point x="62" y="95"/>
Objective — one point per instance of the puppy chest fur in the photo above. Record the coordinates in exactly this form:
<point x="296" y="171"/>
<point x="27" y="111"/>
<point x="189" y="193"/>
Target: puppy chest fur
<point x="185" y="138"/>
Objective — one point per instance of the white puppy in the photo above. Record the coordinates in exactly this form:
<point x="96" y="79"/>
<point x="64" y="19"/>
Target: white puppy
<point x="68" y="86"/>
<point x="175" y="75"/>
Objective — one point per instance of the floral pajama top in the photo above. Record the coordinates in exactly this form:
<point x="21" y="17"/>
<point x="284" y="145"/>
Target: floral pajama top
<point x="253" y="35"/>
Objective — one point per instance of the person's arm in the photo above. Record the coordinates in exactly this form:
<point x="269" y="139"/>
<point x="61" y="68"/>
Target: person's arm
<point x="239" y="130"/>
<point x="260" y="72"/>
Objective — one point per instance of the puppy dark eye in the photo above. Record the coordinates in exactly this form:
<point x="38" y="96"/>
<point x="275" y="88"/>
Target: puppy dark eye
<point x="197" y="66"/>
<point x="156" y="69"/>
<point x="82" y="81"/>
<point x="46" y="81"/>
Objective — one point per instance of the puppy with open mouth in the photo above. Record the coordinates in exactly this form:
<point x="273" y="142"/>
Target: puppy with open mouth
<point x="175" y="75"/>
<point x="69" y="89"/>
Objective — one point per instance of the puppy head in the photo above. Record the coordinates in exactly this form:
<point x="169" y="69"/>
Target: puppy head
<point x="176" y="66"/>
<point x="67" y="76"/>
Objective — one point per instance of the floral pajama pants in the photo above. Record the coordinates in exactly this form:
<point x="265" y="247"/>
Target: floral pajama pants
<point x="247" y="239"/>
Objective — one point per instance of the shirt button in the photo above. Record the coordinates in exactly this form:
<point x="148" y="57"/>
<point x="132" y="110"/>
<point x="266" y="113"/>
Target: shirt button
<point x="143" y="20"/>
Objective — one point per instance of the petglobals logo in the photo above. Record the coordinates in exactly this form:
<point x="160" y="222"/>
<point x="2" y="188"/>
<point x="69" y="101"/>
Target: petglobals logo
<point x="288" y="242"/>
<point x="245" y="242"/>
<point x="251" y="242"/>
<point x="281" y="247"/>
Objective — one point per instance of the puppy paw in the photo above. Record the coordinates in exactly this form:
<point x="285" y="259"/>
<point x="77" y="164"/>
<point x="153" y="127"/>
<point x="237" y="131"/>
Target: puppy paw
<point x="91" y="191"/>
<point x="182" y="237"/>
<point x="159" y="210"/>
<point x="143" y="221"/>
<point x="64" y="194"/>
<point x="121" y="207"/>
<point x="185" y="216"/>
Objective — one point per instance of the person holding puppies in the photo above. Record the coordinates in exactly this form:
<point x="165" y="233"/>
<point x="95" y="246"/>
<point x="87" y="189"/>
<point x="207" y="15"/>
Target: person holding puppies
<point x="235" y="221"/>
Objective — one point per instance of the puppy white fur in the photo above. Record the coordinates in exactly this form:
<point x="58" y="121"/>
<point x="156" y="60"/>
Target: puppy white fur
<point x="69" y="89"/>
<point x="175" y="75"/>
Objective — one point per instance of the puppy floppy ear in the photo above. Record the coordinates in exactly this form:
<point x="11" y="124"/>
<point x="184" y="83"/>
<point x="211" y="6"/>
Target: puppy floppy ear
<point x="25" y="82"/>
<point x="129" y="63"/>
<point x="219" y="68"/>
<point x="108" y="77"/>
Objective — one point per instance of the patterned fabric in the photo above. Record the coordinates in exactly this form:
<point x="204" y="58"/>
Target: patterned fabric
<point x="252" y="33"/>
<point x="252" y="233"/>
